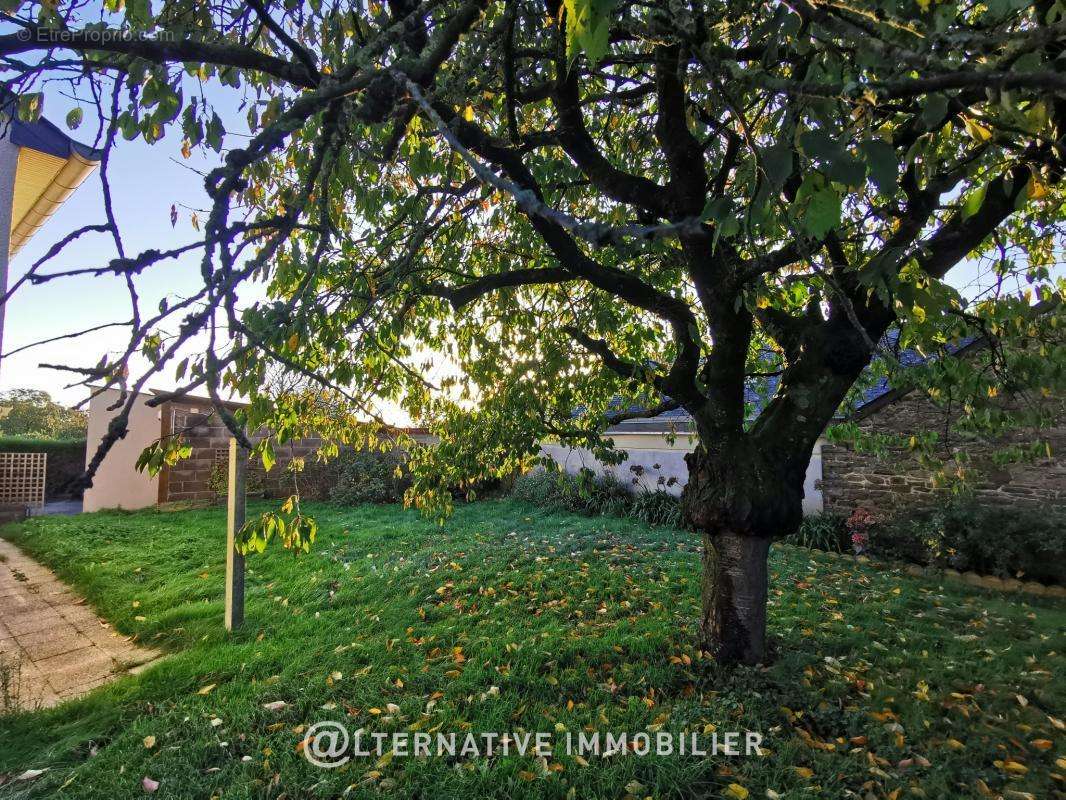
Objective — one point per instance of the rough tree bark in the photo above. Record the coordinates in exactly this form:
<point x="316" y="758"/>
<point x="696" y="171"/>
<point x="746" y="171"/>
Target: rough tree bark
<point x="739" y="503"/>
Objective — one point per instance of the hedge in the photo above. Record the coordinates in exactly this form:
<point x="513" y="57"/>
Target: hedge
<point x="66" y="460"/>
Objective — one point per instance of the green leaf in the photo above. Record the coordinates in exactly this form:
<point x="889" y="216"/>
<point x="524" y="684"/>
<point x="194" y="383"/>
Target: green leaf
<point x="882" y="163"/>
<point x="588" y="28"/>
<point x="138" y="12"/>
<point x="823" y="212"/>
<point x="848" y="170"/>
<point x="215" y="131"/>
<point x="74" y="117"/>
<point x="30" y="106"/>
<point x="936" y="108"/>
<point x="267" y="454"/>
<point x="817" y="206"/>
<point x="971" y="204"/>
<point x="777" y="163"/>
<point x="819" y="146"/>
<point x="726" y="221"/>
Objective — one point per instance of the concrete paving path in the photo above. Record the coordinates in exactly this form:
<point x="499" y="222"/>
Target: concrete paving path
<point x="52" y="646"/>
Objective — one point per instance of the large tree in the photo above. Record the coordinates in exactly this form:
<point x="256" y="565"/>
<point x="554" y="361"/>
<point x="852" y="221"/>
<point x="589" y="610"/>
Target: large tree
<point x="522" y="219"/>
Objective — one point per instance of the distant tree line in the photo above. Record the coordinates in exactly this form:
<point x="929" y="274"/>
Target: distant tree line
<point x="32" y="412"/>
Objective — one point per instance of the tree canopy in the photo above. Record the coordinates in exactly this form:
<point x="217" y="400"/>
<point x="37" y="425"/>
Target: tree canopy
<point x="31" y="412"/>
<point x="494" y="213"/>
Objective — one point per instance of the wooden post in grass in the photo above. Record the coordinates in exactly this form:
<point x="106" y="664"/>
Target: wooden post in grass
<point x="238" y="462"/>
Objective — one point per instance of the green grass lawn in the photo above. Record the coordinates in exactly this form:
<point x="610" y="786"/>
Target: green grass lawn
<point x="510" y="619"/>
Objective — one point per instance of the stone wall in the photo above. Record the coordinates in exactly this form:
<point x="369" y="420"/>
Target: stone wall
<point x="207" y="434"/>
<point x="885" y="484"/>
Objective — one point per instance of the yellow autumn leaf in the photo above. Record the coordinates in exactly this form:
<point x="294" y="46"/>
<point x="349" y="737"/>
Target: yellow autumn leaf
<point x="977" y="131"/>
<point x="149" y="742"/>
<point x="804" y="772"/>
<point x="207" y="689"/>
<point x="468" y="113"/>
<point x="1012" y="766"/>
<point x="384" y="760"/>
<point x="735" y="790"/>
<point x="1036" y="190"/>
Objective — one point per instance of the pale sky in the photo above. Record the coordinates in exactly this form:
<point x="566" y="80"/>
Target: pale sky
<point x="145" y="181"/>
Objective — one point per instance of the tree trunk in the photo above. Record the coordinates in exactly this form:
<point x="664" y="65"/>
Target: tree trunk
<point x="734" y="591"/>
<point x="739" y="497"/>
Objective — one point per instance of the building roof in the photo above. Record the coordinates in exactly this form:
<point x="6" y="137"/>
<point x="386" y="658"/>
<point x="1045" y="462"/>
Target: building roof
<point x="46" y="137"/>
<point x="50" y="167"/>
<point x="759" y="391"/>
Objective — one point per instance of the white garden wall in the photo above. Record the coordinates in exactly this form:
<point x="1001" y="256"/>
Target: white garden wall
<point x="657" y="461"/>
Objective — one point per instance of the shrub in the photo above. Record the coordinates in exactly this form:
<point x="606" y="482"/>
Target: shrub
<point x="1006" y="541"/>
<point x="657" y="508"/>
<point x="591" y="494"/>
<point x="366" y="476"/>
<point x="823" y="531"/>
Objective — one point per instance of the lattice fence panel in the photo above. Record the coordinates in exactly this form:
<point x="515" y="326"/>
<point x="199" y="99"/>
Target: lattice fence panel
<point x="22" y="478"/>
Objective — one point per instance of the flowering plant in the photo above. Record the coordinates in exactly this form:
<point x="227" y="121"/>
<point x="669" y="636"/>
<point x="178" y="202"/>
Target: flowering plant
<point x="858" y="525"/>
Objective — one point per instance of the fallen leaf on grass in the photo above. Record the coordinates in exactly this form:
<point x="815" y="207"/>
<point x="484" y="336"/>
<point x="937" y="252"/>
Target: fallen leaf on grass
<point x="149" y="742"/>
<point x="1012" y="767"/>
<point x="275" y="705"/>
<point x="207" y="689"/>
<point x="149" y="785"/>
<point x="736" y="791"/>
<point x="31" y="774"/>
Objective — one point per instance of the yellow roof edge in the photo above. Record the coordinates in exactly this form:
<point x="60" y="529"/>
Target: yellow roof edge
<point x="70" y="177"/>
